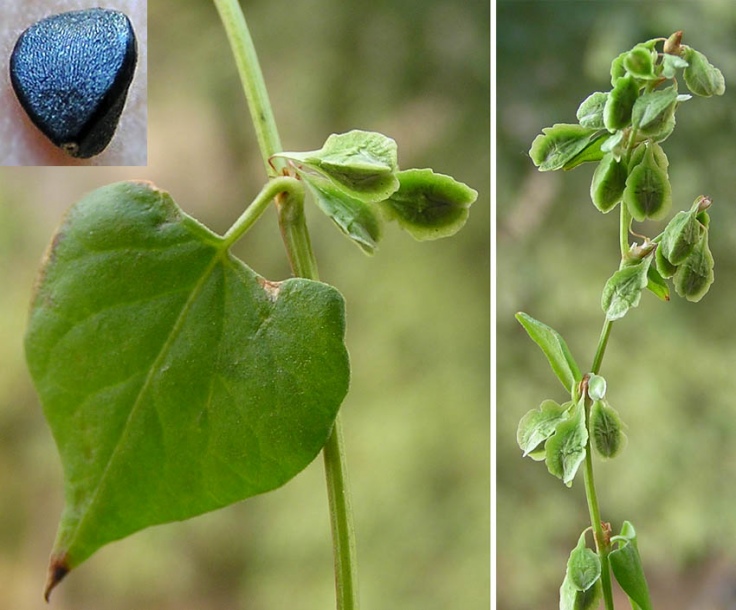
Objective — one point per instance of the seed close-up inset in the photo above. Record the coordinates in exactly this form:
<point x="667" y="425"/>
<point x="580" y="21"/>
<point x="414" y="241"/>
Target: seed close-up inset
<point x="71" y="73"/>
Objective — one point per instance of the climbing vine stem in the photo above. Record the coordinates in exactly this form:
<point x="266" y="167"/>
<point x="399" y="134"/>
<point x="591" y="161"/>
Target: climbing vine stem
<point x="290" y="207"/>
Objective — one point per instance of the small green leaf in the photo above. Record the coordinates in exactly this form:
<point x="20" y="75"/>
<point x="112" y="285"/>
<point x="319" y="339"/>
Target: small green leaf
<point x="559" y="144"/>
<point x="555" y="348"/>
<point x="565" y="449"/>
<point x="623" y="289"/>
<point x="362" y="163"/>
<point x="608" y="184"/>
<point x="590" y="112"/>
<point x="429" y="205"/>
<point x="695" y="275"/>
<point x="175" y="380"/>
<point x="583" y="566"/>
<point x="627" y="568"/>
<point x="606" y="429"/>
<point x="539" y="424"/>
<point x="620" y="102"/>
<point x="702" y="77"/>
<point x="648" y="193"/>
<point x="358" y="220"/>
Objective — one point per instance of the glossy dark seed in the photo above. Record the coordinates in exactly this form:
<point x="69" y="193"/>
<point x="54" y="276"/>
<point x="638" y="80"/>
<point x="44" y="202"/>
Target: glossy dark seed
<point x="71" y="73"/>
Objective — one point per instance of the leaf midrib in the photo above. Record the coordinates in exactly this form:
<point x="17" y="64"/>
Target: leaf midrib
<point x="218" y="257"/>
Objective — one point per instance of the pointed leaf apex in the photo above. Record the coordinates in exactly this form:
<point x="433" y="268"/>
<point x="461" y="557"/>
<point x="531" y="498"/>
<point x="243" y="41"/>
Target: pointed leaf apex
<point x="58" y="569"/>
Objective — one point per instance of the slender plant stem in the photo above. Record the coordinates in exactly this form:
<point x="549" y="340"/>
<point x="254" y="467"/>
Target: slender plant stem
<point x="624" y="227"/>
<point x="601" y="349"/>
<point x="290" y="208"/>
<point x="252" y="78"/>
<point x="274" y="187"/>
<point x="602" y="542"/>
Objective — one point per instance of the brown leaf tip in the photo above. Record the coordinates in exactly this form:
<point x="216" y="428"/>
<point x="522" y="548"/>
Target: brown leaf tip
<point x="58" y="568"/>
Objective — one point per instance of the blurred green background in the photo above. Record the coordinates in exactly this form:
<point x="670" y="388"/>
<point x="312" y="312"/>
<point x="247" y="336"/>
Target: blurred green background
<point x="416" y="419"/>
<point x="670" y="367"/>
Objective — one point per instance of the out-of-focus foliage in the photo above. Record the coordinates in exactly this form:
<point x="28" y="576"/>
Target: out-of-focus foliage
<point x="668" y="365"/>
<point x="416" y="419"/>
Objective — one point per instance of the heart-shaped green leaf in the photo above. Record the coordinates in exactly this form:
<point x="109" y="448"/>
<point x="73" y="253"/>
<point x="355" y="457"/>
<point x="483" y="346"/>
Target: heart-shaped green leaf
<point x="175" y="380"/>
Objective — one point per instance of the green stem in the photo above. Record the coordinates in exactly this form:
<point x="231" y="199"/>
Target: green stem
<point x="290" y="208"/>
<point x="624" y="228"/>
<point x="252" y="78"/>
<point x="274" y="187"/>
<point x="294" y="232"/>
<point x="346" y="576"/>
<point x="602" y="542"/>
<point x="602" y="344"/>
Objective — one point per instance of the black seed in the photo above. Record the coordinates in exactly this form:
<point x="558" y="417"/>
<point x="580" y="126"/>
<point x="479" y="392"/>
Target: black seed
<point x="71" y="73"/>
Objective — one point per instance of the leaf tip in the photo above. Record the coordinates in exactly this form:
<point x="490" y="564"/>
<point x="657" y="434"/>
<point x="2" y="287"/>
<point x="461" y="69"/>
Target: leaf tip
<point x="58" y="569"/>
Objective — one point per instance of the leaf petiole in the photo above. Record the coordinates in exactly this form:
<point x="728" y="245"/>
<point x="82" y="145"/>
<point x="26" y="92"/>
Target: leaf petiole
<point x="276" y="186"/>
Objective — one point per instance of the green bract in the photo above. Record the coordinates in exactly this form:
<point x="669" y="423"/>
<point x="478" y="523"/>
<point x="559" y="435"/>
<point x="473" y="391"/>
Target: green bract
<point x="639" y="62"/>
<point x="559" y="144"/>
<point x="355" y="180"/>
<point x="653" y="113"/>
<point x="606" y="429"/>
<point x="429" y="205"/>
<point x="623" y="289"/>
<point x="539" y="424"/>
<point x="665" y="268"/>
<point x="590" y="112"/>
<point x="695" y="275"/>
<point x="175" y="379"/>
<point x="573" y="599"/>
<point x="702" y="77"/>
<point x="565" y="449"/>
<point x="583" y="566"/>
<point x="620" y="102"/>
<point x="608" y="184"/>
<point x="359" y="221"/>
<point x="682" y="234"/>
<point x="648" y="193"/>
<point x="656" y="283"/>
<point x="362" y="163"/>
